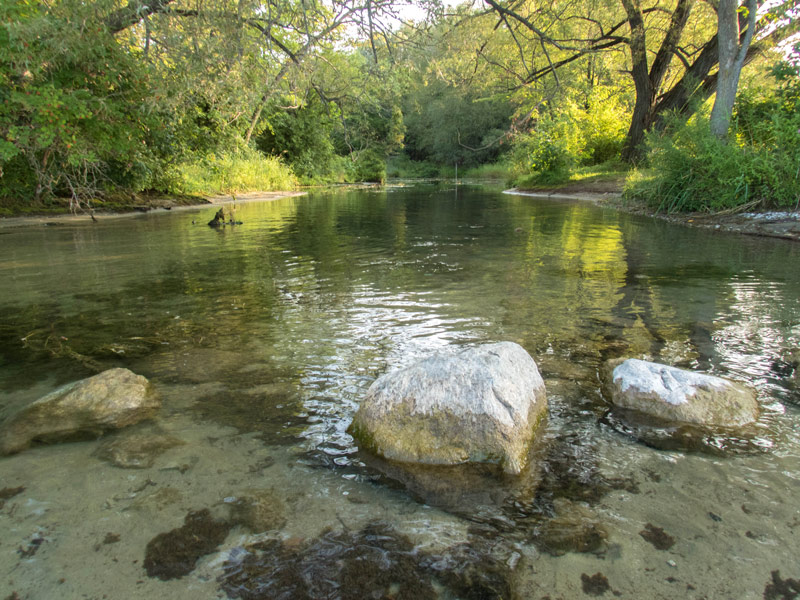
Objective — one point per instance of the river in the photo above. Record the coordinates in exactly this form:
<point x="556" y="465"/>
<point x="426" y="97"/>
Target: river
<point x="261" y="339"/>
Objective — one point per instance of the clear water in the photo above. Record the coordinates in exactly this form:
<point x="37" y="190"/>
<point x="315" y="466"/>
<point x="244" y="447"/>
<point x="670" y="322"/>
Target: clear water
<point x="262" y="339"/>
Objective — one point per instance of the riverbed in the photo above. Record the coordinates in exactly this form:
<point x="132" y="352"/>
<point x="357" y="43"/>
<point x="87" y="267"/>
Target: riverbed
<point x="262" y="338"/>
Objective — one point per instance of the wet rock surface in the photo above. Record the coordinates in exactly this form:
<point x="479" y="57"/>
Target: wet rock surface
<point x="113" y="399"/>
<point x="375" y="562"/>
<point x="482" y="404"/>
<point x="174" y="554"/>
<point x="678" y="395"/>
<point x="136" y="448"/>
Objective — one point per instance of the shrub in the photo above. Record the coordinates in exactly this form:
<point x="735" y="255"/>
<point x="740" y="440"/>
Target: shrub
<point x="240" y="171"/>
<point x="758" y="166"/>
<point x="569" y="137"/>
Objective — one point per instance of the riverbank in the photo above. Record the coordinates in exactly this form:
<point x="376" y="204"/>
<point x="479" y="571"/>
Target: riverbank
<point x="776" y="224"/>
<point x="143" y="205"/>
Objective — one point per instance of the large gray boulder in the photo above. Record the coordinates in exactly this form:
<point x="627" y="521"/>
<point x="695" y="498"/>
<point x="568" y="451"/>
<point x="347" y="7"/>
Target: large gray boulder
<point x="679" y="395"/>
<point x="482" y="404"/>
<point x="110" y="400"/>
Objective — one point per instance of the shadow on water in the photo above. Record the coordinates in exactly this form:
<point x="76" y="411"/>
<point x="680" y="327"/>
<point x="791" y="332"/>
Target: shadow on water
<point x="685" y="437"/>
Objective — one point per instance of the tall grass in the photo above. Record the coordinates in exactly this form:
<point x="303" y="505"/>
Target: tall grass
<point x="693" y="171"/>
<point x="240" y="171"/>
<point x="690" y="170"/>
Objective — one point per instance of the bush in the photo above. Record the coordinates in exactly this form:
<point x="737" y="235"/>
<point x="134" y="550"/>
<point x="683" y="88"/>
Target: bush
<point x="570" y="137"/>
<point x="240" y="171"/>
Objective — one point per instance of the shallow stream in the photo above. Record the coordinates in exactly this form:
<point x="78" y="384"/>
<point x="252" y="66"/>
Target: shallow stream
<point x="262" y="338"/>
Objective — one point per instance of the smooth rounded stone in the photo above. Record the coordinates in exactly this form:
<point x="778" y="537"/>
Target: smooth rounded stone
<point x="259" y="510"/>
<point x="679" y="395"/>
<point x="575" y="528"/>
<point x="110" y="400"/>
<point x="136" y="448"/>
<point x="482" y="404"/>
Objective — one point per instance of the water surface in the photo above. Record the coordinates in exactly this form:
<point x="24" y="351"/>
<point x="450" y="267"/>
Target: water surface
<point x="263" y="338"/>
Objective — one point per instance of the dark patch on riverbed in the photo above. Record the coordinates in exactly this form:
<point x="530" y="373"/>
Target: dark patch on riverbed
<point x="570" y="471"/>
<point x="781" y="589"/>
<point x="594" y="585"/>
<point x="376" y="562"/>
<point x="173" y="554"/>
<point x="276" y="415"/>
<point x="660" y="539"/>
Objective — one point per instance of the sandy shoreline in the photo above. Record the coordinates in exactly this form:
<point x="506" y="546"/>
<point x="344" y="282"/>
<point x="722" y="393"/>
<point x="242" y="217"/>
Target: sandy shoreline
<point x="50" y="220"/>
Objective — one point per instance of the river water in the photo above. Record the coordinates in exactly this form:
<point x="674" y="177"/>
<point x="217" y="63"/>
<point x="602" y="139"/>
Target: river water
<point x="261" y="339"/>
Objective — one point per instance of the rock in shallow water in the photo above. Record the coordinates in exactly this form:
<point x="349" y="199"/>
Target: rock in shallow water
<point x="480" y="405"/>
<point x="679" y="395"/>
<point x="136" y="448"/>
<point x="110" y="400"/>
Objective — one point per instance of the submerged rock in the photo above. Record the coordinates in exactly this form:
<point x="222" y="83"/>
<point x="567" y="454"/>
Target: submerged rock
<point x="259" y="510"/>
<point x="575" y="528"/>
<point x="480" y="405"/>
<point x="136" y="448"/>
<point x="678" y="395"/>
<point x="110" y="400"/>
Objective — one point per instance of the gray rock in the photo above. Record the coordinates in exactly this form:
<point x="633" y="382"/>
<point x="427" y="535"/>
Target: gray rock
<point x="110" y="400"/>
<point x="679" y="395"/>
<point x="482" y="404"/>
<point x="136" y="448"/>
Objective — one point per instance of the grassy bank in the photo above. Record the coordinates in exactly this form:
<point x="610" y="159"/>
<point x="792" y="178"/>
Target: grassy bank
<point x="184" y="184"/>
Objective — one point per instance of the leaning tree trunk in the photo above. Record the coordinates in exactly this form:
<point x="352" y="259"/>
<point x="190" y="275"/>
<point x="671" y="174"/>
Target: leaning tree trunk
<point x="641" y="80"/>
<point x="731" y="59"/>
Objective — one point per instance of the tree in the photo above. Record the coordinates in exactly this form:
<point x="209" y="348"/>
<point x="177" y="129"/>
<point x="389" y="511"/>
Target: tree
<point x="732" y="54"/>
<point x="681" y="37"/>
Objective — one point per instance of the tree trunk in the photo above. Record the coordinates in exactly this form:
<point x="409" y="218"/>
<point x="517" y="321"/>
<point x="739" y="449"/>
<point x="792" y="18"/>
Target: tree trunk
<point x="641" y="80"/>
<point x="731" y="59"/>
<point x="648" y="80"/>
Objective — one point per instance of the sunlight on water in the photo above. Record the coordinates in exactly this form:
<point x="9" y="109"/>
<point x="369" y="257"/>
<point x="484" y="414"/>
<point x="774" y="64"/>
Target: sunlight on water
<point x="262" y="339"/>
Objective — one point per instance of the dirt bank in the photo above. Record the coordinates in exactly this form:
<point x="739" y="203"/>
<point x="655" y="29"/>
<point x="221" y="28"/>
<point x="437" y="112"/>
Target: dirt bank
<point x="142" y="205"/>
<point x="778" y="224"/>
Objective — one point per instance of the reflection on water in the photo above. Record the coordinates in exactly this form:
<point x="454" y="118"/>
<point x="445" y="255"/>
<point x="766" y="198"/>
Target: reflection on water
<point x="263" y="338"/>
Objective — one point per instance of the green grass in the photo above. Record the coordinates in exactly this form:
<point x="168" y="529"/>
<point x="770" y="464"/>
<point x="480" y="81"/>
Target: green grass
<point x="612" y="171"/>
<point x="402" y="167"/>
<point x="493" y="171"/>
<point x="236" y="172"/>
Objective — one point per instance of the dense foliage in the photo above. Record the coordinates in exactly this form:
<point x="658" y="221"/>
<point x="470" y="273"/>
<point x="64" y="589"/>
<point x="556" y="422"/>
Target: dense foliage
<point x="758" y="167"/>
<point x="102" y="100"/>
